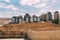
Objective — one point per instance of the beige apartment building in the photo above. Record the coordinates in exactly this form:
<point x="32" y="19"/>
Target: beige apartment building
<point x="56" y="15"/>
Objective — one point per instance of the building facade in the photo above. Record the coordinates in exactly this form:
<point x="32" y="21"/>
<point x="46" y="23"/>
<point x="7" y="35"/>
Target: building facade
<point x="17" y="19"/>
<point x="43" y="17"/>
<point x="46" y="17"/>
<point x="20" y="19"/>
<point x="49" y="16"/>
<point x="39" y="19"/>
<point x="34" y="18"/>
<point x="56" y="17"/>
<point x="14" y="19"/>
<point x="27" y="18"/>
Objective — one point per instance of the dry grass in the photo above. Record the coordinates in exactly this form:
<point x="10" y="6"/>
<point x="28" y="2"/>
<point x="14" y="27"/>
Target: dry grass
<point x="33" y="26"/>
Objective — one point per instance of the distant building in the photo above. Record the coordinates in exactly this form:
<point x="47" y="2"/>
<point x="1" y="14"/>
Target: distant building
<point x="46" y="17"/>
<point x="35" y="18"/>
<point x="39" y="18"/>
<point x="56" y="17"/>
<point x="17" y="19"/>
<point x="49" y="16"/>
<point x="27" y="18"/>
<point x="20" y="19"/>
<point x="31" y="19"/>
<point x="43" y="17"/>
<point x="14" y="19"/>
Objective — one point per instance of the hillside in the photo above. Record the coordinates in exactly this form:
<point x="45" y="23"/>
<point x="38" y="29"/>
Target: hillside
<point x="33" y="26"/>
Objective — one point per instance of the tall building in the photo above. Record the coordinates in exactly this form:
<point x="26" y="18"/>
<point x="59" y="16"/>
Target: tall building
<point x="34" y="18"/>
<point x="39" y="18"/>
<point x="20" y="19"/>
<point x="56" y="17"/>
<point x="43" y="17"/>
<point x="17" y="19"/>
<point x="49" y="16"/>
<point x="14" y="19"/>
<point x="31" y="19"/>
<point x="27" y="18"/>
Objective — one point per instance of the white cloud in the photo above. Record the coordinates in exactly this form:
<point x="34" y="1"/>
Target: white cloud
<point x="46" y="9"/>
<point x="56" y="10"/>
<point x="12" y="7"/>
<point x="45" y="0"/>
<point x="43" y="11"/>
<point x="2" y="4"/>
<point x="7" y="0"/>
<point x="35" y="3"/>
<point x="54" y="1"/>
<point x="42" y="5"/>
<point x="32" y="2"/>
<point x="29" y="2"/>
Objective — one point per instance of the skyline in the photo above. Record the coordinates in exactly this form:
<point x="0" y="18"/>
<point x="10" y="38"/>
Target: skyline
<point x="9" y="8"/>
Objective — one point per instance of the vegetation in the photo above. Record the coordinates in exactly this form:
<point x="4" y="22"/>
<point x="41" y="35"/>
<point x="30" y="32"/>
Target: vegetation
<point x="22" y="29"/>
<point x="56" y="21"/>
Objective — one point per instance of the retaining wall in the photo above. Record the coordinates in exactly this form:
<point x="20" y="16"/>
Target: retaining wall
<point x="44" y="35"/>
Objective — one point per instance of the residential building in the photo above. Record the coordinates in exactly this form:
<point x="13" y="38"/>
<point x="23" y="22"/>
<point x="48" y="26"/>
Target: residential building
<point x="20" y="19"/>
<point x="56" y="17"/>
<point x="14" y="19"/>
<point x="39" y="18"/>
<point x="49" y="16"/>
<point x="35" y="18"/>
<point x="27" y="18"/>
<point x="43" y="17"/>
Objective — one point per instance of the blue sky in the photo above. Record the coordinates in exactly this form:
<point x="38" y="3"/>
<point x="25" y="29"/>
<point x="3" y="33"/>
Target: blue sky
<point x="9" y="8"/>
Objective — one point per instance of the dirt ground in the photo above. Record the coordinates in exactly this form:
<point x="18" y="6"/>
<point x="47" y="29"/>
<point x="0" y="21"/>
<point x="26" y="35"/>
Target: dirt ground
<point x="38" y="26"/>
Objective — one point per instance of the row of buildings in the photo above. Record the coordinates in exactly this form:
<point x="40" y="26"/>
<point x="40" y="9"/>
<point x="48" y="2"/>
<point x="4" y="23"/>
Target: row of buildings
<point x="28" y="18"/>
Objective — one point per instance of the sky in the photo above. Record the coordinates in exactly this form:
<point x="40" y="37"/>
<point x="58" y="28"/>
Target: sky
<point x="9" y="8"/>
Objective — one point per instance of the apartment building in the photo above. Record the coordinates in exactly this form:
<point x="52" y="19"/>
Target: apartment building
<point x="56" y="15"/>
<point x="27" y="18"/>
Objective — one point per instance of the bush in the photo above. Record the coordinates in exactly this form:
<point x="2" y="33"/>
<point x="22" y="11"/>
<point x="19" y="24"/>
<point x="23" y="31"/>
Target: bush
<point x="55" y="21"/>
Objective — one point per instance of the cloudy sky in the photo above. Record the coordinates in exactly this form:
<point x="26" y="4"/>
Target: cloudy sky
<point x="9" y="8"/>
